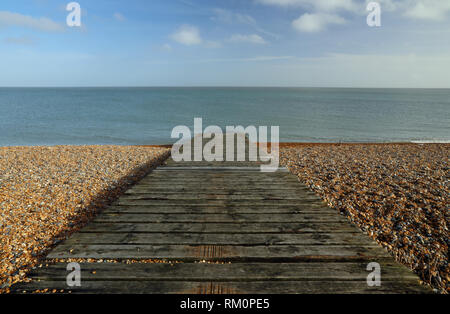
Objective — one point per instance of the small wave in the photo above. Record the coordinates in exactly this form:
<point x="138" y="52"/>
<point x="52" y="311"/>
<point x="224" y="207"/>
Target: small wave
<point x="431" y="141"/>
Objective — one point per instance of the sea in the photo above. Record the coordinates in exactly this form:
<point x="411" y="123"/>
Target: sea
<point x="147" y="116"/>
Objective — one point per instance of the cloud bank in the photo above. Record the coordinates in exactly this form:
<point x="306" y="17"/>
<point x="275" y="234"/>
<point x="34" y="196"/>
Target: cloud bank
<point x="322" y="13"/>
<point x="8" y="19"/>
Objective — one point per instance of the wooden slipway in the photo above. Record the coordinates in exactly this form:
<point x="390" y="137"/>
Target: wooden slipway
<point x="221" y="227"/>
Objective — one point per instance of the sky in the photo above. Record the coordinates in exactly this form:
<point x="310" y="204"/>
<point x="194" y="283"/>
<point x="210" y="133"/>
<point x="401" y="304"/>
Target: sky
<point x="307" y="43"/>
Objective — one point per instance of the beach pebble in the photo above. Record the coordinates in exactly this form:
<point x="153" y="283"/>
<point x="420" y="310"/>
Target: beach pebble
<point x="47" y="193"/>
<point x="397" y="193"/>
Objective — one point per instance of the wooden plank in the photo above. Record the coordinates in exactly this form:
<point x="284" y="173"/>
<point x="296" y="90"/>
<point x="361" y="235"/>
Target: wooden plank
<point x="252" y="228"/>
<point x="218" y="190"/>
<point x="218" y="218"/>
<point x="219" y="239"/>
<point x="161" y="186"/>
<point x="217" y="196"/>
<point x="317" y="206"/>
<point x="226" y="191"/>
<point x="211" y="172"/>
<point x="224" y="176"/>
<point x="210" y="186"/>
<point x="191" y="253"/>
<point x="215" y="202"/>
<point x="196" y="209"/>
<point x="225" y="272"/>
<point x="204" y="182"/>
<point x="213" y="164"/>
<point x="219" y="176"/>
<point x="260" y="287"/>
<point x="226" y="181"/>
<point x="231" y="182"/>
<point x="211" y="189"/>
<point x="293" y="194"/>
<point x="223" y="168"/>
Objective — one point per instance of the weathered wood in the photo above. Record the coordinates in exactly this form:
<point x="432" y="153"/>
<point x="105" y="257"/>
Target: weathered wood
<point x="327" y="271"/>
<point x="307" y="205"/>
<point x="236" y="287"/>
<point x="195" y="187"/>
<point x="190" y="220"/>
<point x="227" y="184"/>
<point x="229" y="177"/>
<point x="218" y="166"/>
<point x="227" y="164"/>
<point x="215" y="196"/>
<point x="180" y="209"/>
<point x="244" y="228"/>
<point x="192" y="253"/>
<point x="222" y="176"/>
<point x="227" y="168"/>
<point x="207" y="182"/>
<point x="216" y="202"/>
<point x="219" y="239"/>
<point x="218" y="218"/>
<point x="203" y="176"/>
<point x="187" y="191"/>
<point x="221" y="191"/>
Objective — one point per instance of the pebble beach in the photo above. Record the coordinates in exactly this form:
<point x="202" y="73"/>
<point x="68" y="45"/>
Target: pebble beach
<point x="396" y="193"/>
<point x="47" y="193"/>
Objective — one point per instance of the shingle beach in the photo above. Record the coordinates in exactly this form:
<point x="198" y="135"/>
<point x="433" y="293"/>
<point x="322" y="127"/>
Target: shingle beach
<point x="397" y="193"/>
<point x="46" y="193"/>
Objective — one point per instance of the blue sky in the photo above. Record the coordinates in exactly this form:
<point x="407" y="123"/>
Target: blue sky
<point x="225" y="43"/>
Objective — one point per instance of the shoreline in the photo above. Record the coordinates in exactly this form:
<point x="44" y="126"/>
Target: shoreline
<point x="282" y="144"/>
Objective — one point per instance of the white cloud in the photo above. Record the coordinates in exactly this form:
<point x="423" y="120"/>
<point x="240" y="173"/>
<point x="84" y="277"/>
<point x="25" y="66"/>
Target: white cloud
<point x="320" y="5"/>
<point x="187" y="35"/>
<point x="230" y="17"/>
<point x="311" y="23"/>
<point x="252" y="39"/>
<point x="433" y="10"/>
<point x="325" y="12"/>
<point x="16" y="19"/>
<point x="388" y="5"/>
<point x="436" y="10"/>
<point x="119" y="17"/>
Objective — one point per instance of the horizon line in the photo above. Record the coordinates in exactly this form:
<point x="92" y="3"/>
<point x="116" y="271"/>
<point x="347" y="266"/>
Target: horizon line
<point x="223" y="86"/>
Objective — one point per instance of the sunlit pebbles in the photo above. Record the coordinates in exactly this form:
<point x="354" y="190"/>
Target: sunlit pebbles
<point x="46" y="193"/>
<point x="396" y="193"/>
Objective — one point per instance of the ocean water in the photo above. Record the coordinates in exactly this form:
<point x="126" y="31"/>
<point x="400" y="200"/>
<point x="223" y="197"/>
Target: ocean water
<point x="135" y="116"/>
